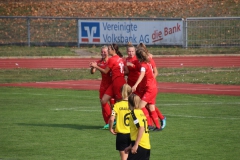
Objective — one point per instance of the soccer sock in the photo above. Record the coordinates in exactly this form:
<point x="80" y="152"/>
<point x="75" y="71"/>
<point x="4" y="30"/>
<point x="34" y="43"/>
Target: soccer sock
<point x="112" y="102"/>
<point x="161" y="117"/>
<point x="152" y="122"/>
<point x="154" y="117"/>
<point x="106" y="112"/>
<point x="145" y="111"/>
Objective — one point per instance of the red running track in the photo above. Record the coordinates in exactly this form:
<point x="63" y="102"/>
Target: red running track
<point x="173" y="62"/>
<point x="185" y="88"/>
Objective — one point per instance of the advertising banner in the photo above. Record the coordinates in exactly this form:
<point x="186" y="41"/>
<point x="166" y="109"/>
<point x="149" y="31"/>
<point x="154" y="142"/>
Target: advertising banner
<point x="124" y="31"/>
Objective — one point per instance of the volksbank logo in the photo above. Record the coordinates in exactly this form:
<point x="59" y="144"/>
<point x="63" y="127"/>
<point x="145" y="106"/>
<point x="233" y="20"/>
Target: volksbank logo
<point x="90" y="32"/>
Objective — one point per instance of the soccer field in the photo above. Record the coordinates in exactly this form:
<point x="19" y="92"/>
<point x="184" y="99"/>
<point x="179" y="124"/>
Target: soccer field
<point x="47" y="124"/>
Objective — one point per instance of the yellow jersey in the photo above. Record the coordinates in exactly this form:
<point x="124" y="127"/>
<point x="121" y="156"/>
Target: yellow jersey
<point x="122" y="114"/>
<point x="137" y="119"/>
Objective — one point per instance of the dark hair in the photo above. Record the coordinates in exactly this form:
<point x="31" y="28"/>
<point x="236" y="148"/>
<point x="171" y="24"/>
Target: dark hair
<point x="143" y="47"/>
<point x="115" y="47"/>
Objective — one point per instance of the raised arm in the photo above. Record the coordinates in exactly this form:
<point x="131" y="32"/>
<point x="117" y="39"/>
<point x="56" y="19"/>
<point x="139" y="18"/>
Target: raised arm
<point x="94" y="64"/>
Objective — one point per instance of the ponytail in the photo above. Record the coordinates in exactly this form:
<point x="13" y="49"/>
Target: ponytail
<point x="126" y="91"/>
<point x="115" y="47"/>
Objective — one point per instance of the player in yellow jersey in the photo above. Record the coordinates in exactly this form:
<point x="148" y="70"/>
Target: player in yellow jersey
<point x="139" y="149"/>
<point x="121" y="113"/>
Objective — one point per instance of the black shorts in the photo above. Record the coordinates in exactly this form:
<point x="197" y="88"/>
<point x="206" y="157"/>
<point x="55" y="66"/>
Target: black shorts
<point x="142" y="154"/>
<point x="122" y="141"/>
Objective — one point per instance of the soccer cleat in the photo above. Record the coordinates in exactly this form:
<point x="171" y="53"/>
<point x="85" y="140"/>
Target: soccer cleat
<point x="163" y="123"/>
<point x="106" y="126"/>
<point x="150" y="128"/>
<point x="157" y="129"/>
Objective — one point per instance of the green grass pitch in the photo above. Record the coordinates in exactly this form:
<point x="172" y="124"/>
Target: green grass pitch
<point x="48" y="124"/>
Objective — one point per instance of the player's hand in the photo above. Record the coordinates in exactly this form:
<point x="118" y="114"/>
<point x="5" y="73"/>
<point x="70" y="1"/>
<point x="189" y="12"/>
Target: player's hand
<point x="134" y="88"/>
<point x="93" y="64"/>
<point x="127" y="150"/>
<point x="112" y="131"/>
<point x="130" y="64"/>
<point x="134" y="149"/>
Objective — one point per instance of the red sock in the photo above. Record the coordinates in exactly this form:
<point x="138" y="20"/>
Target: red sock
<point x="145" y="111"/>
<point x="106" y="112"/>
<point x="154" y="117"/>
<point x="161" y="117"/>
<point x="112" y="102"/>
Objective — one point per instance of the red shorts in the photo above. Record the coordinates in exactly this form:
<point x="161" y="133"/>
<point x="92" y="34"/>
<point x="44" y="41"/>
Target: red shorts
<point x="105" y="90"/>
<point x="150" y="95"/>
<point x="137" y="92"/>
<point x="116" y="86"/>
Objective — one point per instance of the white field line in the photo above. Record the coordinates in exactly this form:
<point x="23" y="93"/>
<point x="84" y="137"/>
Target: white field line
<point x="198" y="104"/>
<point x="201" y="89"/>
<point x="69" y="84"/>
<point x="96" y="97"/>
<point x="203" y="117"/>
<point x="83" y="109"/>
<point x="158" y="104"/>
<point x="58" y="95"/>
<point x="92" y="109"/>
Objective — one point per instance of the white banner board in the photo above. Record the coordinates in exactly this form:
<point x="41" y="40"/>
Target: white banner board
<point x="122" y="32"/>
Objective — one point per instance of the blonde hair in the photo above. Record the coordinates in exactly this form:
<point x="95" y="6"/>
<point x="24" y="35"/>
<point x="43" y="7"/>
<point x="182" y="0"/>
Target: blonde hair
<point x="103" y="47"/>
<point x="126" y="91"/>
<point x="129" y="45"/>
<point x="133" y="101"/>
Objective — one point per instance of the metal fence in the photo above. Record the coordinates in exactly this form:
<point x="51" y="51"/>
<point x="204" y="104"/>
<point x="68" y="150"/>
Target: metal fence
<point x="212" y="32"/>
<point x="63" y="31"/>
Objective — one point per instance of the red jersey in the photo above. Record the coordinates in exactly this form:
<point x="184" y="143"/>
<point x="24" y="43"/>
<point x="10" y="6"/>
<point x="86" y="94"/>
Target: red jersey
<point x="116" y="64"/>
<point x="148" y="81"/>
<point x="152" y="62"/>
<point x="134" y="71"/>
<point x="106" y="78"/>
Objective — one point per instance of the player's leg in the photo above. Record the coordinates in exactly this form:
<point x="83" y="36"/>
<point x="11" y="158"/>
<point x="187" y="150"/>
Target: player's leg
<point x="142" y="105"/>
<point x="122" y="142"/>
<point x="106" y="108"/>
<point x="162" y="118"/>
<point x="154" y="116"/>
<point x="117" y="85"/>
<point x="150" y="97"/>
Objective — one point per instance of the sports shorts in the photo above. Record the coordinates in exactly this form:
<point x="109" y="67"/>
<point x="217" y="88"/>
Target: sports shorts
<point x="150" y="95"/>
<point x="104" y="90"/>
<point x="122" y="141"/>
<point x="142" y="154"/>
<point x="116" y="86"/>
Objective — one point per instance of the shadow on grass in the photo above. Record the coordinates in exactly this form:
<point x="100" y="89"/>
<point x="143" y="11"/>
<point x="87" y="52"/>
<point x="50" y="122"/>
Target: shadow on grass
<point x="71" y="126"/>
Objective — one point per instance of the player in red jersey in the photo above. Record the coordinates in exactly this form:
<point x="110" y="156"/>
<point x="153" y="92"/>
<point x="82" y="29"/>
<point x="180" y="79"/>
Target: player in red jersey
<point x="132" y="64"/>
<point x="116" y="66"/>
<point x="105" y="83"/>
<point x="147" y="82"/>
<point x="155" y="72"/>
